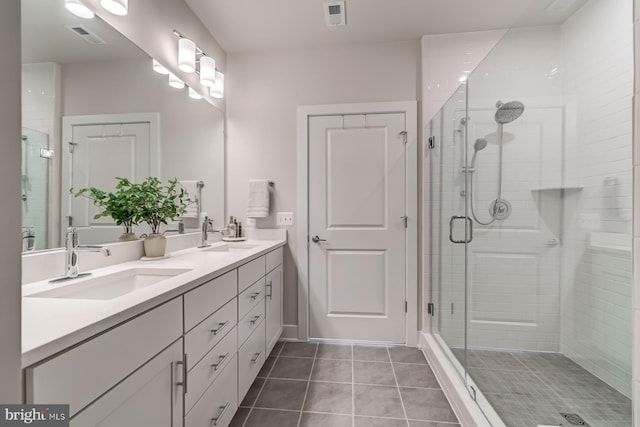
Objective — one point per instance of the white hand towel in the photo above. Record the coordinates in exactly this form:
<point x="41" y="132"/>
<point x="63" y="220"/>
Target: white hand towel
<point x="191" y="187"/>
<point x="258" y="206"/>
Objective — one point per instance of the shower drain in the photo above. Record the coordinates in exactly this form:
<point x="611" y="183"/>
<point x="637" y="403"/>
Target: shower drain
<point x="574" y="419"/>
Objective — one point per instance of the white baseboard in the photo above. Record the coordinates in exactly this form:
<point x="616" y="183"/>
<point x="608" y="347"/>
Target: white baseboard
<point x="289" y="333"/>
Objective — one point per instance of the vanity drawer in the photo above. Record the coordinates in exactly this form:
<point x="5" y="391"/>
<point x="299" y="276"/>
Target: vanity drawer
<point x="210" y="367"/>
<point x="85" y="372"/>
<point x="204" y="300"/>
<point x="199" y="340"/>
<point x="251" y="357"/>
<point x="250" y="297"/>
<point x="219" y="403"/>
<point x="274" y="258"/>
<point x="250" y="272"/>
<point x="250" y="321"/>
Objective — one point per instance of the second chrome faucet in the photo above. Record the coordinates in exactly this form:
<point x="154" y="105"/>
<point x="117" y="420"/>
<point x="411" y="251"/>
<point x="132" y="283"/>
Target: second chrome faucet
<point x="71" y="255"/>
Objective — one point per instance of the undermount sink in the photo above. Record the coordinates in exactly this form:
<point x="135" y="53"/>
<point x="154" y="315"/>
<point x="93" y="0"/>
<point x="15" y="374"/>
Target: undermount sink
<point x="231" y="247"/>
<point x="113" y="285"/>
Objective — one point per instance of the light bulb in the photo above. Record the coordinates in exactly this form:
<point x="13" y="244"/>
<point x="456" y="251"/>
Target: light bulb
<point x="193" y="94"/>
<point x="117" y="7"/>
<point x="218" y="90"/>
<point x="207" y="71"/>
<point x="175" y="81"/>
<point x="186" y="55"/>
<point x="159" y="68"/>
<point x="79" y="9"/>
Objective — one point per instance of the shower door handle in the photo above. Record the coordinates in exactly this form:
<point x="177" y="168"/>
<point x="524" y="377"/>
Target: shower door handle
<point x="470" y="234"/>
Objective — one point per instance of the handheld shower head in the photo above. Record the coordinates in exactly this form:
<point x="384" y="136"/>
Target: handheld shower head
<point x="508" y="112"/>
<point x="479" y="145"/>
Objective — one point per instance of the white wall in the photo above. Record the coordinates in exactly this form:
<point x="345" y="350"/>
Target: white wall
<point x="597" y="81"/>
<point x="10" y="303"/>
<point x="191" y="134"/>
<point x="264" y="90"/>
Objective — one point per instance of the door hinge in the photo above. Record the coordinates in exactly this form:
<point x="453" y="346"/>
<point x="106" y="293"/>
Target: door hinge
<point x="432" y="142"/>
<point x="403" y="134"/>
<point x="472" y="392"/>
<point x="406" y="307"/>
<point x="431" y="309"/>
<point x="72" y="147"/>
<point x="70" y="221"/>
<point x="405" y="219"/>
<point x="451" y="308"/>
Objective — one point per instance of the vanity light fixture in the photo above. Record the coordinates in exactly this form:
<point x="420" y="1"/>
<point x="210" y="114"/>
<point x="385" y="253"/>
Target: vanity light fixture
<point x="159" y="68"/>
<point x="79" y="9"/>
<point x="186" y="55"/>
<point x="117" y="7"/>
<point x="207" y="71"/>
<point x="175" y="81"/>
<point x="218" y="90"/>
<point x="193" y="94"/>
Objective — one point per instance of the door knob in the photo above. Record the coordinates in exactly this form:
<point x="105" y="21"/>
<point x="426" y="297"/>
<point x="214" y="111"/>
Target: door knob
<point x="316" y="239"/>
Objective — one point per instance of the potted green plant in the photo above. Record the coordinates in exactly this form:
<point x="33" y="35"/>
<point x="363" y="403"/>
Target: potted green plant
<point x="157" y="205"/>
<point x="122" y="205"/>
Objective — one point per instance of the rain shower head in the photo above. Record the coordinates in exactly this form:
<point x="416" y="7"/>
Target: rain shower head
<point x="508" y="112"/>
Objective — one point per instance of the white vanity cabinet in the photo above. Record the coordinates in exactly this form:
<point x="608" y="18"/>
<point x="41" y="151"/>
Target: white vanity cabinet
<point x="150" y="344"/>
<point x="187" y="362"/>
<point x="273" y="298"/>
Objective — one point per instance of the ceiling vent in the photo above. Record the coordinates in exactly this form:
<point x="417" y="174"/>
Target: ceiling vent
<point x="86" y="34"/>
<point x="334" y="13"/>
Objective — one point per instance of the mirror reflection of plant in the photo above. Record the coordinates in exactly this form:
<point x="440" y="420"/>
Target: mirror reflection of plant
<point x="123" y="204"/>
<point x="159" y="204"/>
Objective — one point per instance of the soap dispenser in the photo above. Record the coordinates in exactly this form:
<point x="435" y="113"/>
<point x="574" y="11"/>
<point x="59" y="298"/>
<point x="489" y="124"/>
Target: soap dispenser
<point x="231" y="228"/>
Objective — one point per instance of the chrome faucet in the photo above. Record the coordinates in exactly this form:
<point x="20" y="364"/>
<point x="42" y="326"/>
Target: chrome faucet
<point x="206" y="224"/>
<point x="71" y="255"/>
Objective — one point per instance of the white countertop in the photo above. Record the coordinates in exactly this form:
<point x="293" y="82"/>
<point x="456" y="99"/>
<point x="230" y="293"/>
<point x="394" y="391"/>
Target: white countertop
<point x="50" y="325"/>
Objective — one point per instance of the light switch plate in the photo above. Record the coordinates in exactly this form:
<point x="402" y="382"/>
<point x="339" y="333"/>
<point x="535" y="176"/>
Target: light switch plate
<point x="285" y="219"/>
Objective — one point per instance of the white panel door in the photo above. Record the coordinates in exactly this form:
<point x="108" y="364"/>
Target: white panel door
<point x="513" y="264"/>
<point x="357" y="205"/>
<point x="98" y="154"/>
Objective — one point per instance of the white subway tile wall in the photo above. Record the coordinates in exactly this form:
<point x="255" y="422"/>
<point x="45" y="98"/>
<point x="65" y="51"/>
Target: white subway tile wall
<point x="597" y="82"/>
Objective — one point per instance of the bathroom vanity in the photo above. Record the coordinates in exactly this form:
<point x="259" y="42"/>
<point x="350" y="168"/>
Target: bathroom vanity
<point x="178" y="350"/>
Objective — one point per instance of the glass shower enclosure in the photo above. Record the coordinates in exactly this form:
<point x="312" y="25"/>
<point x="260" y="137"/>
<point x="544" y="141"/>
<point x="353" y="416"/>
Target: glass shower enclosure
<point x="531" y="209"/>
<point x="36" y="155"/>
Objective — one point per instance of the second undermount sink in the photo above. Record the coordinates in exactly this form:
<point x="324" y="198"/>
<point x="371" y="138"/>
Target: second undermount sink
<point x="231" y="247"/>
<point x="112" y="285"/>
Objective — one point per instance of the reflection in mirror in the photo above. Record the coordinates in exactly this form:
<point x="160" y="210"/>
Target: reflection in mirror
<point x="87" y="90"/>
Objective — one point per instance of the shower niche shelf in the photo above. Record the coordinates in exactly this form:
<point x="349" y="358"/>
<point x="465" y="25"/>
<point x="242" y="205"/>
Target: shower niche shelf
<point x="559" y="188"/>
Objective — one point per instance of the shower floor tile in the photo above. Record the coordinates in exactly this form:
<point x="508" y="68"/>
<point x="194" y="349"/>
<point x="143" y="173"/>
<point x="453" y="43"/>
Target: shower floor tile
<point x="329" y="385"/>
<point x="545" y="385"/>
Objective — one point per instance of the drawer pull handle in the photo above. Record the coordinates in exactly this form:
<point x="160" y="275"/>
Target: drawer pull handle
<point x="255" y="319"/>
<point x="222" y="409"/>
<point x="221" y="326"/>
<point x="216" y="365"/>
<point x="255" y="358"/>
<point x="183" y="363"/>
<point x="270" y="286"/>
<point x="255" y="295"/>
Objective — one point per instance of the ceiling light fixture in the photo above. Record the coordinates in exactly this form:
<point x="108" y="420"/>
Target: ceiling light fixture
<point x="79" y="9"/>
<point x="218" y="90"/>
<point x="186" y="55"/>
<point x="117" y="7"/>
<point x="175" y="81"/>
<point x="193" y="94"/>
<point x="207" y="71"/>
<point x="159" y="68"/>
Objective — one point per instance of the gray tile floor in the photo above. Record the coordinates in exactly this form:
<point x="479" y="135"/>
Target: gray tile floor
<point x="341" y="385"/>
<point x="529" y="388"/>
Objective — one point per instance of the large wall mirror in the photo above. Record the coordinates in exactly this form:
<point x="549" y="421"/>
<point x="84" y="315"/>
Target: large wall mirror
<point x="94" y="109"/>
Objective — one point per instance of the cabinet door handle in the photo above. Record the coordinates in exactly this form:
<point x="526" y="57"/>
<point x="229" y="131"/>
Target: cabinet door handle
<point x="255" y="295"/>
<point x="222" y="410"/>
<point x="270" y="286"/>
<point x="215" y="366"/>
<point x="255" y="358"/>
<point x="183" y="363"/>
<point x="255" y="319"/>
<point x="221" y="326"/>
